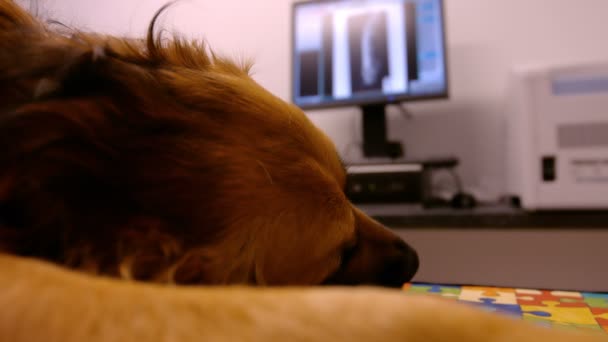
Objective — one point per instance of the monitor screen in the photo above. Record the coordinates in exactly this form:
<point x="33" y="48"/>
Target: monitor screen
<point x="357" y="52"/>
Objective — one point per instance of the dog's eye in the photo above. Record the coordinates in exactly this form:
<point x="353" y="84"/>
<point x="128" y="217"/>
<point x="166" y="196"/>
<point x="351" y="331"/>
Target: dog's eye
<point x="347" y="254"/>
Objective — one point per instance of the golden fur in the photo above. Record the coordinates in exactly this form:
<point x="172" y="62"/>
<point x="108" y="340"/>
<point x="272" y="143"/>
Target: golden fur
<point x="41" y="302"/>
<point x="159" y="161"/>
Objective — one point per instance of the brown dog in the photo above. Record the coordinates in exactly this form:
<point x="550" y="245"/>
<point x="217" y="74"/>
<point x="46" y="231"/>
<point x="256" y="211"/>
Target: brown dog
<point x="160" y="161"/>
<point x="163" y="162"/>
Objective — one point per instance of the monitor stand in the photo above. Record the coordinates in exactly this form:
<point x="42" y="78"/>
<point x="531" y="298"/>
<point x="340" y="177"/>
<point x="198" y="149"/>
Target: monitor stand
<point x="375" y="143"/>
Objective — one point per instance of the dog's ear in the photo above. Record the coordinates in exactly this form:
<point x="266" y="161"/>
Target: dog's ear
<point x="53" y="147"/>
<point x="36" y="63"/>
<point x="81" y="72"/>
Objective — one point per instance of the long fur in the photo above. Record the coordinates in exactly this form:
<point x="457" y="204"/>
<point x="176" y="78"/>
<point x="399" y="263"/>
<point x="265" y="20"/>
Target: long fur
<point x="158" y="161"/>
<point x="147" y="159"/>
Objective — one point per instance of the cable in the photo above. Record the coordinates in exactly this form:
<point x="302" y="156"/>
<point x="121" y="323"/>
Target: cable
<point x="456" y="179"/>
<point x="404" y="111"/>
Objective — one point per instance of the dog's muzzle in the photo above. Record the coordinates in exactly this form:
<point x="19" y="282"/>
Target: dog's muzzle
<point x="400" y="267"/>
<point x="381" y="257"/>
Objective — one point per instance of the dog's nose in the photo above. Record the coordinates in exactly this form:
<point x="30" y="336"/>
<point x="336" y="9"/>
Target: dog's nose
<point x="411" y="259"/>
<point x="400" y="245"/>
<point x="402" y="267"/>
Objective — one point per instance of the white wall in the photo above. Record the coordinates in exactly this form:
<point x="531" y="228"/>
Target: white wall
<point x="485" y="37"/>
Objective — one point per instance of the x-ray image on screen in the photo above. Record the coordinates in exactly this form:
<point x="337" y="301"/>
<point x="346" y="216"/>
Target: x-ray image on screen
<point x="309" y="69"/>
<point x="357" y="52"/>
<point x="367" y="35"/>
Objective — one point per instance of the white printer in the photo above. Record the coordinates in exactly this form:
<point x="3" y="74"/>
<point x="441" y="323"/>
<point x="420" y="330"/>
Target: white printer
<point x="557" y="140"/>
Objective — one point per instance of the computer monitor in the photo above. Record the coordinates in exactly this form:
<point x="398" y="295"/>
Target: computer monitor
<point x="368" y="53"/>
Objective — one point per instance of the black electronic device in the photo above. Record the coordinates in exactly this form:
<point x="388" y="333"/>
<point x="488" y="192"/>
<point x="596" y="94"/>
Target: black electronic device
<point x="385" y="183"/>
<point x="368" y="53"/>
<point x="408" y="182"/>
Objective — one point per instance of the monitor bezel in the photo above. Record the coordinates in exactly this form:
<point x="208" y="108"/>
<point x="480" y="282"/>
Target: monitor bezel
<point x="393" y="98"/>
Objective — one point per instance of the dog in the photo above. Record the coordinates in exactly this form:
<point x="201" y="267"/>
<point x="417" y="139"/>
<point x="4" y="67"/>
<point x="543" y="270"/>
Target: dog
<point x="161" y="163"/>
<point x="44" y="302"/>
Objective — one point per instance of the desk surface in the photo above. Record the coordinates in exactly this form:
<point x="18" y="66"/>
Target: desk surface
<point x="502" y="246"/>
<point x="526" y="257"/>
<point x="486" y="216"/>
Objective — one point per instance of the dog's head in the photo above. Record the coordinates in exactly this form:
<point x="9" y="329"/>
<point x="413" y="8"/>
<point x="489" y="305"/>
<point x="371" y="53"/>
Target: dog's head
<point x="158" y="160"/>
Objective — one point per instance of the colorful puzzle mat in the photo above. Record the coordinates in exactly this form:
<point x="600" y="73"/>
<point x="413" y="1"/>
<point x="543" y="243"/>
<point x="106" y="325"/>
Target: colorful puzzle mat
<point x="566" y="309"/>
